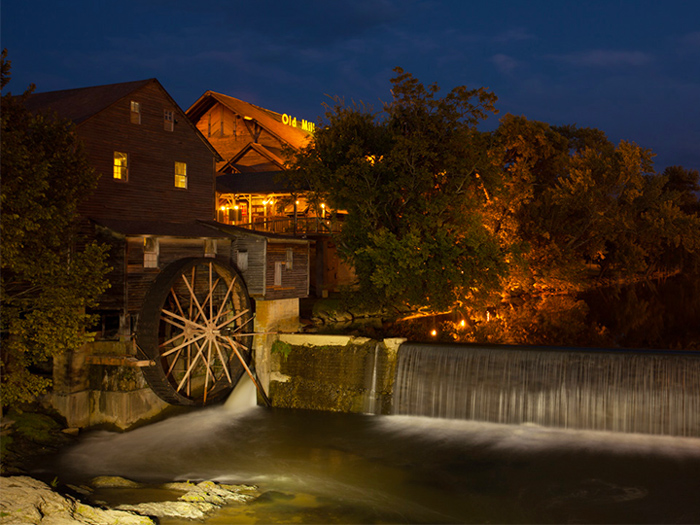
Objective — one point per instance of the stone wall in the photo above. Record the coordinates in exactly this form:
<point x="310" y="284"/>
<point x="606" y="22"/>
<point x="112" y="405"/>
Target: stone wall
<point x="101" y="385"/>
<point x="332" y="373"/>
<point x="98" y="385"/>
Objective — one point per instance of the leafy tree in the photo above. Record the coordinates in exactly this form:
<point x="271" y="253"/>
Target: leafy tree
<point x="686" y="183"/>
<point x="570" y="200"/>
<point x="48" y="279"/>
<point x="413" y="178"/>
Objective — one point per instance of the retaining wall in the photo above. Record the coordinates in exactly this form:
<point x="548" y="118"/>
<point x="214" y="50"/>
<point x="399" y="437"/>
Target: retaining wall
<point x="332" y="373"/>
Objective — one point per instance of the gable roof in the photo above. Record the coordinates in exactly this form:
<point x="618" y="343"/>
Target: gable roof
<point x="252" y="146"/>
<point x="270" y="121"/>
<point x="80" y="104"/>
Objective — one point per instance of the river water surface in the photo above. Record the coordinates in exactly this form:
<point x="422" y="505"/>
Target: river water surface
<point x="316" y="467"/>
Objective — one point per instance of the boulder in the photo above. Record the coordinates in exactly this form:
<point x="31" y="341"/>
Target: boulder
<point x="27" y="501"/>
<point x="198" y="499"/>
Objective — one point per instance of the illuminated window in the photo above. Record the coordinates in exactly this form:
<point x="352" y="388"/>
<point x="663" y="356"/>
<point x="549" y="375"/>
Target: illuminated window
<point x="135" y="112"/>
<point x="168" y="120"/>
<point x="150" y="252"/>
<point x="121" y="166"/>
<point x="180" y="175"/>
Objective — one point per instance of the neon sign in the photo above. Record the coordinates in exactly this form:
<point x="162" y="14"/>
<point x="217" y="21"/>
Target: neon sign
<point x="288" y="120"/>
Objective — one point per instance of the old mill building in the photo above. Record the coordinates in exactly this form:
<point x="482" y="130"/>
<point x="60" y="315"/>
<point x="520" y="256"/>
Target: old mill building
<point x="253" y="144"/>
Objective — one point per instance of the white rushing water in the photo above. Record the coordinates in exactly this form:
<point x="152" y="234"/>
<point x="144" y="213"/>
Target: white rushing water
<point x="358" y="469"/>
<point x="621" y="391"/>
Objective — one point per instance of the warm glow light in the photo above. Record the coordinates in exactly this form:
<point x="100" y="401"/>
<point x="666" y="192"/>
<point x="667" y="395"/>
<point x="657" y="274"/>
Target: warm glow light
<point x="323" y="205"/>
<point x="433" y="333"/>
<point x="462" y="323"/>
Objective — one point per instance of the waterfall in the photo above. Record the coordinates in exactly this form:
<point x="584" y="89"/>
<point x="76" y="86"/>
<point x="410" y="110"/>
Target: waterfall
<point x="652" y="392"/>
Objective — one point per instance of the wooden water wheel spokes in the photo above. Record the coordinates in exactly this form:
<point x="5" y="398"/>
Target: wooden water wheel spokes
<point x="196" y="324"/>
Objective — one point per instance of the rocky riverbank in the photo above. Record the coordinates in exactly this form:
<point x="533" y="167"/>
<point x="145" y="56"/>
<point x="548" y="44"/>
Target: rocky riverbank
<point x="25" y="500"/>
<point x="29" y="435"/>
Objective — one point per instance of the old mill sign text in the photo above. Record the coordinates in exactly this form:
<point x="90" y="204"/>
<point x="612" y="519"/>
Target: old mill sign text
<point x="292" y="121"/>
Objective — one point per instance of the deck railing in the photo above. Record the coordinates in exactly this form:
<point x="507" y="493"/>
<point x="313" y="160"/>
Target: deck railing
<point x="291" y="226"/>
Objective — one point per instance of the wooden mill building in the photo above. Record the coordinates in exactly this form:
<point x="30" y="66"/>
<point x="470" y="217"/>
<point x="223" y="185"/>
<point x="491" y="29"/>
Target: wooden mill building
<point x="156" y="197"/>
<point x="254" y="144"/>
<point x="155" y="205"/>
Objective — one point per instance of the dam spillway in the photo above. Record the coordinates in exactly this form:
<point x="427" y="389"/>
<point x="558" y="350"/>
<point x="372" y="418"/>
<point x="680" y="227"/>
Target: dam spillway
<point x="633" y="391"/>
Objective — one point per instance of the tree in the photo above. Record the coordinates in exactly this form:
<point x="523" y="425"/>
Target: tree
<point x="48" y="278"/>
<point x="570" y="200"/>
<point x="413" y="180"/>
<point x="686" y="183"/>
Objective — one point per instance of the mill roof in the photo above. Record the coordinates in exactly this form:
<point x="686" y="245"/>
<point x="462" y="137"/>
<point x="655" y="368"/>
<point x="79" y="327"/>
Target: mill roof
<point x="80" y="104"/>
<point x="270" y="121"/>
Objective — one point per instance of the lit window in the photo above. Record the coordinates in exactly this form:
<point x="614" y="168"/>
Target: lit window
<point x="168" y="120"/>
<point x="150" y="252"/>
<point x="180" y="175"/>
<point x="121" y="166"/>
<point x="135" y="112"/>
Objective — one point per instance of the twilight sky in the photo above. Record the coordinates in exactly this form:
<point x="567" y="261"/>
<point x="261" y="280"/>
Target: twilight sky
<point x="629" y="68"/>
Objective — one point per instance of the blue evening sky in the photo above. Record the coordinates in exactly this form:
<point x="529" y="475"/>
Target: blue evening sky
<point x="629" y="68"/>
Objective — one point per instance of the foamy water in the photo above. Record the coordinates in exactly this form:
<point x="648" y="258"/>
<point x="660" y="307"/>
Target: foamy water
<point x="359" y="469"/>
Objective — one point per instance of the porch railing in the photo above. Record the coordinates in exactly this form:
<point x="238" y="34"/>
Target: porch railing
<point x="291" y="226"/>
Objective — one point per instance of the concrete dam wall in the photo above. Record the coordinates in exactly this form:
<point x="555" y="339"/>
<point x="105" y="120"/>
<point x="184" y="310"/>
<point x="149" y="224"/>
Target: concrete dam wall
<point x="331" y="373"/>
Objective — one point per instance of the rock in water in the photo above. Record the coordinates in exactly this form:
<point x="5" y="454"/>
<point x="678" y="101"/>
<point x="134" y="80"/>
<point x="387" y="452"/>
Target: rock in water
<point x="197" y="501"/>
<point x="27" y="501"/>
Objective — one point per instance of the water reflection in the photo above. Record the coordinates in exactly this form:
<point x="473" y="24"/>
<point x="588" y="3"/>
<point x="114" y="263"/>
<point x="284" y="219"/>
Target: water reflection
<point x="343" y="468"/>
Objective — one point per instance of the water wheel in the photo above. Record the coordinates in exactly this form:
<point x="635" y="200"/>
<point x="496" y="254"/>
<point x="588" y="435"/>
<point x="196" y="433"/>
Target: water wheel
<point x="195" y="325"/>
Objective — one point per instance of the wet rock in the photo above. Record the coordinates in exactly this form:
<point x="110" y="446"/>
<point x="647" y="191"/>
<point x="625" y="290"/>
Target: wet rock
<point x="172" y="509"/>
<point x="27" y="501"/>
<point x="220" y="494"/>
<point x="198" y="499"/>
<point x="114" y="482"/>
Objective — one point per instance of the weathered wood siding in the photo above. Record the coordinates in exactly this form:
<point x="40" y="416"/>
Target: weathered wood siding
<point x="295" y="280"/>
<point x="254" y="274"/>
<point x="150" y="192"/>
<point x="140" y="279"/>
<point x="254" y="161"/>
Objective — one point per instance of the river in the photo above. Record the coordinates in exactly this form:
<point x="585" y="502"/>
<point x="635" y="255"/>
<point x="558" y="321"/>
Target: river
<point x="317" y="467"/>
